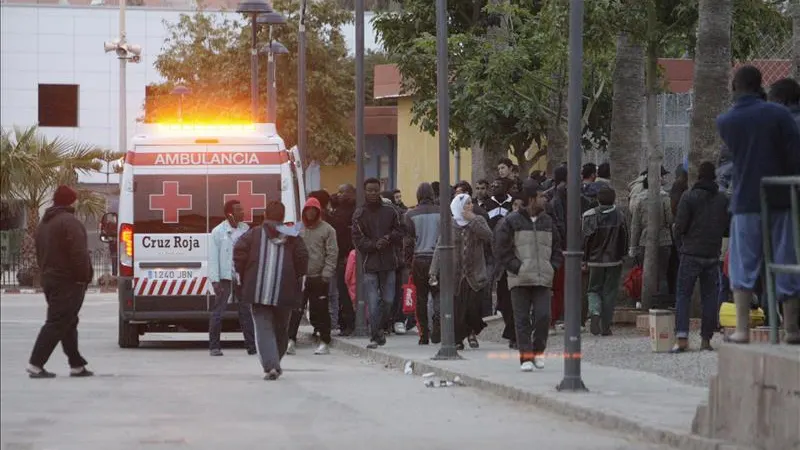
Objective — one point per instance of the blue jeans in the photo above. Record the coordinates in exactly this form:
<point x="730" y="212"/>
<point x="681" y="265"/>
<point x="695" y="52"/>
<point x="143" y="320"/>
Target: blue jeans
<point x="379" y="289"/>
<point x="690" y="269"/>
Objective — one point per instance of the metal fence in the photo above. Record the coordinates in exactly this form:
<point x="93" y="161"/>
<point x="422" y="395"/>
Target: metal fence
<point x="674" y="124"/>
<point x="16" y="269"/>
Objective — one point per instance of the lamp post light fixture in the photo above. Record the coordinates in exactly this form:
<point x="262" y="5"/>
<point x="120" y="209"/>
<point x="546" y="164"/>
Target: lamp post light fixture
<point x="180" y="90"/>
<point x="125" y="52"/>
<point x="270" y="19"/>
<point x="272" y="49"/>
<point x="253" y="8"/>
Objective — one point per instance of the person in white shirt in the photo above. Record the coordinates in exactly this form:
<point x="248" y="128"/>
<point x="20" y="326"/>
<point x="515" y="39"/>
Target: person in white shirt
<point x="222" y="277"/>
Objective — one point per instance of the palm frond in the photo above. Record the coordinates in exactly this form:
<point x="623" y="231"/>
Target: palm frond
<point x="90" y="204"/>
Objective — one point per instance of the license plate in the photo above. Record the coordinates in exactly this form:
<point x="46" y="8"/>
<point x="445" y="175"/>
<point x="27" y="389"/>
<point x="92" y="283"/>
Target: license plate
<point x="170" y="274"/>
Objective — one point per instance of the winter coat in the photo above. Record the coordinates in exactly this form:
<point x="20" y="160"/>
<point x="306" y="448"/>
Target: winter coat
<point x="342" y="221"/>
<point x="62" y="252"/>
<point x="320" y="241"/>
<point x="702" y="220"/>
<point x="422" y="223"/>
<point x="220" y="250"/>
<point x="528" y="250"/>
<point x="497" y="209"/>
<point x="270" y="267"/>
<point x="764" y="140"/>
<point x="605" y="236"/>
<point x="371" y="223"/>
<point x="639" y="221"/>
<point x="469" y="244"/>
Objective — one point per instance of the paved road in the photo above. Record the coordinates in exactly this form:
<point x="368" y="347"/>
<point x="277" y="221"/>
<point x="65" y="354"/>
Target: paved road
<point x="172" y="395"/>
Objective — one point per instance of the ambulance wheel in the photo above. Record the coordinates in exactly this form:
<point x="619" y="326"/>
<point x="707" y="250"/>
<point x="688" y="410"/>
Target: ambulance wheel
<point x="128" y="334"/>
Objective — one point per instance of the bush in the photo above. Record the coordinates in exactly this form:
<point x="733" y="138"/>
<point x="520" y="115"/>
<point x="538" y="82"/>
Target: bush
<point x="26" y="276"/>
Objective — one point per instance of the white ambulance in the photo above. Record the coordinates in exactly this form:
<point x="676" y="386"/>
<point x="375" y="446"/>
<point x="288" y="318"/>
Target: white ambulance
<point x="175" y="181"/>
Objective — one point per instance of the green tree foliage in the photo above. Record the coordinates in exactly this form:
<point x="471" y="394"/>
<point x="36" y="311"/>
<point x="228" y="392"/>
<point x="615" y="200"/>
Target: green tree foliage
<point x="211" y="56"/>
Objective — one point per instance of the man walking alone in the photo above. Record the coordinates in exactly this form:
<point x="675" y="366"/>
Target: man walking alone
<point x="66" y="270"/>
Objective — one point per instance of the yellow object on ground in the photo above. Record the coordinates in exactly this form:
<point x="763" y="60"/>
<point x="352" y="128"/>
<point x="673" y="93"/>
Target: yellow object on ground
<point x="727" y="316"/>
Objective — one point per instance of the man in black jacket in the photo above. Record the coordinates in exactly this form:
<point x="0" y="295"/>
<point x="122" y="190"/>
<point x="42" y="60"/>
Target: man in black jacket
<point x="605" y="244"/>
<point x="700" y="225"/>
<point x="344" y="204"/>
<point x="66" y="270"/>
<point x="376" y="233"/>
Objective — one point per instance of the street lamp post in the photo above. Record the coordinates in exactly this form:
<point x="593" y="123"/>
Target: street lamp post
<point x="572" y="331"/>
<point x="448" y="348"/>
<point x="361" y="322"/>
<point x="302" y="132"/>
<point x="254" y="8"/>
<point x="270" y="19"/>
<point x="125" y="52"/>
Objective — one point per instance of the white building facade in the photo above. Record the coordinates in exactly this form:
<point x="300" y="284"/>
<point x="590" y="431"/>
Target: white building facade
<point x="52" y="57"/>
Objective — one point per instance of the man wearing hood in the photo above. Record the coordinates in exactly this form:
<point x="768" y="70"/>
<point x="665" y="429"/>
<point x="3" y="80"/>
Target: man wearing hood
<point x="271" y="266"/>
<point x="422" y="224"/>
<point x="376" y="232"/>
<point x="344" y="204"/>
<point x="700" y="224"/>
<point x="66" y="270"/>
<point x="320" y="241"/>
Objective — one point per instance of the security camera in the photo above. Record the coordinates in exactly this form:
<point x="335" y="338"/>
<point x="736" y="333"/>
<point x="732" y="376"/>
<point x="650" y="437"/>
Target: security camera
<point x="135" y="58"/>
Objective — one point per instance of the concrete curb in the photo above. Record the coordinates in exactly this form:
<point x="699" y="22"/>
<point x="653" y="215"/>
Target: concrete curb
<point x="601" y="419"/>
<point x="39" y="291"/>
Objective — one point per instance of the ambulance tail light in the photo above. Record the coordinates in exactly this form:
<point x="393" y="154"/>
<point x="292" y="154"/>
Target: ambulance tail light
<point x="126" y="250"/>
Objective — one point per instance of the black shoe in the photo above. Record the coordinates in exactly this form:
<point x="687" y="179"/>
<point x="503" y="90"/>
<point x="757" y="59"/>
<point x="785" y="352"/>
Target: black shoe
<point x="272" y="375"/>
<point x="594" y="325"/>
<point x="460" y="346"/>
<point x="607" y="332"/>
<point x="372" y="345"/>
<point x="513" y="345"/>
<point x="436" y="336"/>
<point x="346" y="332"/>
<point x="473" y="342"/>
<point x="40" y="374"/>
<point x="252" y="351"/>
<point x="424" y="341"/>
<point x="82" y="374"/>
<point x="382" y="341"/>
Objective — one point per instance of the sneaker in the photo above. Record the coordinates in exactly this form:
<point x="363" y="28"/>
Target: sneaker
<point x="594" y="325"/>
<point x="272" y="375"/>
<point x="252" y="351"/>
<point x="527" y="366"/>
<point x="382" y="341"/>
<point x="83" y="372"/>
<point x="460" y="346"/>
<point x="424" y="340"/>
<point x="473" y="341"/>
<point x="215" y="352"/>
<point x="372" y="345"/>
<point x="399" y="328"/>
<point x="322" y="349"/>
<point x="705" y="345"/>
<point x="607" y="332"/>
<point x="291" y="348"/>
<point x="41" y="373"/>
<point x="513" y="345"/>
<point x="538" y="362"/>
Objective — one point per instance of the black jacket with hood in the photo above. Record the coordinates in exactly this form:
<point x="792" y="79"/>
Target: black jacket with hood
<point x="605" y="236"/>
<point x="371" y="223"/>
<point x="61" y="247"/>
<point x="702" y="220"/>
<point x="342" y="221"/>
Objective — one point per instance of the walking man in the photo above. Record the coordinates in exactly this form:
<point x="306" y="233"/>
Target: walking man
<point x="66" y="269"/>
<point x="222" y="276"/>
<point x="320" y="242"/>
<point x="527" y="247"/>
<point x="700" y="223"/>
<point x="605" y="241"/>
<point x="376" y="232"/>
<point x="344" y="203"/>
<point x="271" y="266"/>
<point x="764" y="140"/>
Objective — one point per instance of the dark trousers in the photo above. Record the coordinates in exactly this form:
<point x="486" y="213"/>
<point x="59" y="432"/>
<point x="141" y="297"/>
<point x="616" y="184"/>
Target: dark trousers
<point x="271" y="324"/>
<point x="603" y="291"/>
<point x="315" y="295"/>
<point x="532" y="317"/>
<point x="690" y="269"/>
<point x="467" y="311"/>
<point x="420" y="269"/>
<point x="505" y="308"/>
<point x="222" y="295"/>
<point x="347" y="314"/>
<point x="64" y="302"/>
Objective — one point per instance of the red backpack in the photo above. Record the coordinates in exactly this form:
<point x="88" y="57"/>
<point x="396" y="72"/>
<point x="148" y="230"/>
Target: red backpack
<point x="633" y="283"/>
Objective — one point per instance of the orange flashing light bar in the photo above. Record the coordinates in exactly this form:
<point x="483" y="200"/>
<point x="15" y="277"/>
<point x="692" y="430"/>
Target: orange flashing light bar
<point x="206" y="127"/>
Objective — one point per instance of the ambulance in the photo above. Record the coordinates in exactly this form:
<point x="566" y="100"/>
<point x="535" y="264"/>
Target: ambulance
<point x="175" y="181"/>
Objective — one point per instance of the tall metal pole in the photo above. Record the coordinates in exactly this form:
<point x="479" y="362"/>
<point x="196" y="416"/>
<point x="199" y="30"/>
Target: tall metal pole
<point x="572" y="336"/>
<point x="361" y="322"/>
<point x="254" y="69"/>
<point x="123" y="89"/>
<point x="457" y="165"/>
<point x="272" y="100"/>
<point x="448" y="348"/>
<point x="301" y="82"/>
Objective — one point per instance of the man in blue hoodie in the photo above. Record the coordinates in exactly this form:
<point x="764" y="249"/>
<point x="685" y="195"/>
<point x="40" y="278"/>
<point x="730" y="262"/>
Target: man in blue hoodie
<point x="764" y="141"/>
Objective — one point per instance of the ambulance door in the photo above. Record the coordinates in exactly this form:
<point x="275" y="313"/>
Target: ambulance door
<point x="299" y="181"/>
<point x="171" y="226"/>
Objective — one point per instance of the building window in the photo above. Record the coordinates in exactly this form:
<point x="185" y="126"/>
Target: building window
<point x="58" y="105"/>
<point x="383" y="171"/>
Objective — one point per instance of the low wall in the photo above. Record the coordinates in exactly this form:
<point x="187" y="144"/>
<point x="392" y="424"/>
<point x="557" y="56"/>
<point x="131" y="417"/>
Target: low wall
<point x="754" y="400"/>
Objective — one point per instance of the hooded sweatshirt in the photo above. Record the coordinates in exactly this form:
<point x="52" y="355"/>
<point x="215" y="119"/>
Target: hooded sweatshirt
<point x="422" y="222"/>
<point x="320" y="240"/>
<point x="61" y="247"/>
<point x="702" y="220"/>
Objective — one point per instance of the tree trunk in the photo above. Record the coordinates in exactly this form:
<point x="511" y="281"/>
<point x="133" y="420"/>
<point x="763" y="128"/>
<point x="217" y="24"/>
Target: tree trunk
<point x="712" y="70"/>
<point x="28" y="248"/>
<point x="627" y="118"/>
<point x="655" y="160"/>
<point x="485" y="159"/>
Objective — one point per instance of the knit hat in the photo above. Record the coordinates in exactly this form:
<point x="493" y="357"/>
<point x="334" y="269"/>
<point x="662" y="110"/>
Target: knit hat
<point x="64" y="196"/>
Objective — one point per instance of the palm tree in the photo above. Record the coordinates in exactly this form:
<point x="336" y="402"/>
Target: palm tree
<point x="32" y="166"/>
<point x="712" y="68"/>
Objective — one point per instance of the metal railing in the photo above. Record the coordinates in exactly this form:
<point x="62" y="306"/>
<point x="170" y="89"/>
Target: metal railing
<point x="772" y="268"/>
<point x="14" y="270"/>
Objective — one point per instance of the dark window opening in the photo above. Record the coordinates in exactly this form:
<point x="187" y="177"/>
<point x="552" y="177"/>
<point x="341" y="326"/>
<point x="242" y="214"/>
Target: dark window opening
<point x="58" y="105"/>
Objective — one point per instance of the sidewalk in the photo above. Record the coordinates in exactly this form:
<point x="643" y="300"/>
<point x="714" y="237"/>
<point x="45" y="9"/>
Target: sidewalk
<point x="654" y="408"/>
